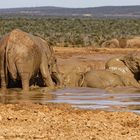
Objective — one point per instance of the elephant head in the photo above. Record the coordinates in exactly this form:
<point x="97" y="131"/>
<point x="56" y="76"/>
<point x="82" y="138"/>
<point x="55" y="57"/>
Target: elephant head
<point x="76" y="76"/>
<point x="132" y="61"/>
<point x="52" y="65"/>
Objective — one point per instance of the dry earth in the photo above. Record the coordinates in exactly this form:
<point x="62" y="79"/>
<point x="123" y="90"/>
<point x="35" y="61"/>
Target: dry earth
<point x="60" y="121"/>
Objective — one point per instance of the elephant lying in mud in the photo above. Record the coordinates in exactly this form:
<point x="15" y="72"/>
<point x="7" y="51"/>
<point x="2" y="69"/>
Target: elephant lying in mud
<point x="93" y="79"/>
<point x="127" y="67"/>
<point x="100" y="79"/>
<point x="24" y="57"/>
<point x="120" y="71"/>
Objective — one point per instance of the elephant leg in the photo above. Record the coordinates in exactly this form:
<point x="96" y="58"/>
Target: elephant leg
<point x="57" y="78"/>
<point x="3" y="80"/>
<point x="2" y="74"/>
<point x="46" y="75"/>
<point x="25" y="81"/>
<point x="24" y="74"/>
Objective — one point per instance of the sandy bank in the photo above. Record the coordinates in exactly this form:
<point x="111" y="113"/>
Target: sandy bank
<point x="32" y="121"/>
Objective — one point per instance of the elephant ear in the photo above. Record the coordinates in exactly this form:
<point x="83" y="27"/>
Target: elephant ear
<point x="131" y="62"/>
<point x="81" y="80"/>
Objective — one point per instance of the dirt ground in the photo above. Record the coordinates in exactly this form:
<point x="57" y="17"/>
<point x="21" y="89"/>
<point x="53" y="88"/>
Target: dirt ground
<point x="62" y="122"/>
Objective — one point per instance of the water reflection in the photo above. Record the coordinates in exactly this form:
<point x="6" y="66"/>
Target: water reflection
<point x="15" y="96"/>
<point x="123" y="99"/>
<point x="116" y="99"/>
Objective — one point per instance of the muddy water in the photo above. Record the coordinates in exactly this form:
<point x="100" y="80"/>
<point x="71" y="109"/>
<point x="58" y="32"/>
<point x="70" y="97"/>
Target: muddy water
<point x="119" y="99"/>
<point x="15" y="96"/>
<point x="116" y="99"/>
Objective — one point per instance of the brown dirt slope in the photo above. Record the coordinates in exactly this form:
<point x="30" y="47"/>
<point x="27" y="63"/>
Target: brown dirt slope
<point x="61" y="122"/>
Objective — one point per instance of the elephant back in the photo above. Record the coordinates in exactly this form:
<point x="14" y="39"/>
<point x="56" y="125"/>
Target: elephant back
<point x="117" y="66"/>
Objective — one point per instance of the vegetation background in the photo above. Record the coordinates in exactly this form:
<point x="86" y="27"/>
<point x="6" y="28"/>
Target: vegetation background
<point x="79" y="32"/>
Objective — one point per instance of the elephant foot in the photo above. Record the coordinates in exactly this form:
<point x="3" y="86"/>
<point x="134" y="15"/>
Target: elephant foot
<point x="4" y="90"/>
<point x="47" y="89"/>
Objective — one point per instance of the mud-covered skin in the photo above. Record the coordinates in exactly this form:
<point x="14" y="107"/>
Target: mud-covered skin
<point x="133" y="42"/>
<point x="101" y="79"/>
<point x="117" y="73"/>
<point x="122" y="43"/>
<point x="127" y="67"/>
<point x="113" y="43"/>
<point x="23" y="56"/>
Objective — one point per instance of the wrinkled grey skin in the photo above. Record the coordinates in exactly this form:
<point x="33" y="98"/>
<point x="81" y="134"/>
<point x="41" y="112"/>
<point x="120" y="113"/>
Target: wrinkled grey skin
<point x="127" y="67"/>
<point x="101" y="79"/>
<point x="24" y="56"/>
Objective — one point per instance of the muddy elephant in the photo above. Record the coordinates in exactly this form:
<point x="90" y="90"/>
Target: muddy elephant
<point x="100" y="79"/>
<point x="93" y="79"/>
<point x="133" y="42"/>
<point x="127" y="67"/>
<point x="113" y="43"/>
<point x="24" y="56"/>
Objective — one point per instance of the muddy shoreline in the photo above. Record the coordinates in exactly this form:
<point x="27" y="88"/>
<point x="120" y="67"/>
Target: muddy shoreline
<point x="60" y="121"/>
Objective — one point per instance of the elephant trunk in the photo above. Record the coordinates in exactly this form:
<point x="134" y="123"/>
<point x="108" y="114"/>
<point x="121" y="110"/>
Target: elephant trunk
<point x="56" y="78"/>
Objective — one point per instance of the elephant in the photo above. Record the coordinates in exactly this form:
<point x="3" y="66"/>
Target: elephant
<point x="133" y="42"/>
<point x="100" y="79"/>
<point x="119" y="71"/>
<point x="24" y="57"/>
<point x="113" y="43"/>
<point x="91" y="78"/>
<point x="127" y="67"/>
<point x="73" y="78"/>
<point x="97" y="79"/>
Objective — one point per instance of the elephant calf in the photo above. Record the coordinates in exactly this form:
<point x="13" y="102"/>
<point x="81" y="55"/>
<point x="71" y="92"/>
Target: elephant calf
<point x="101" y="79"/>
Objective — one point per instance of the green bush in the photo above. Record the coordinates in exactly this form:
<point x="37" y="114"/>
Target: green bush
<point x="72" y="31"/>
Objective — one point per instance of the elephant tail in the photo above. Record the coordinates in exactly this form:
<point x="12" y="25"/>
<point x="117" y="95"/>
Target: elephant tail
<point x="10" y="63"/>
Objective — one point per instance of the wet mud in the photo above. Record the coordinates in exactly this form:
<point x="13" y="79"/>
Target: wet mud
<point x="113" y="99"/>
<point x="15" y="96"/>
<point x="72" y="113"/>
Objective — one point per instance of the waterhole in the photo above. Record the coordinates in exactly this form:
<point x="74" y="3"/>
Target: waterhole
<point x="116" y="99"/>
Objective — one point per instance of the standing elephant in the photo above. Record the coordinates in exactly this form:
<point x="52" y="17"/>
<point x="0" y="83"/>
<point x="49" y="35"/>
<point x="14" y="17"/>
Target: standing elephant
<point x="127" y="67"/>
<point x="23" y="56"/>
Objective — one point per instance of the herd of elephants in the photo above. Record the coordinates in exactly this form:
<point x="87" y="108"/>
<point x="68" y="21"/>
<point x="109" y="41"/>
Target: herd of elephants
<point x="27" y="60"/>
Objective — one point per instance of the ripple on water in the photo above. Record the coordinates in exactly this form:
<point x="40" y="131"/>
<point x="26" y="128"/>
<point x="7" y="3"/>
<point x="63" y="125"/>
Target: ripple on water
<point x="125" y="99"/>
<point x="116" y="99"/>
